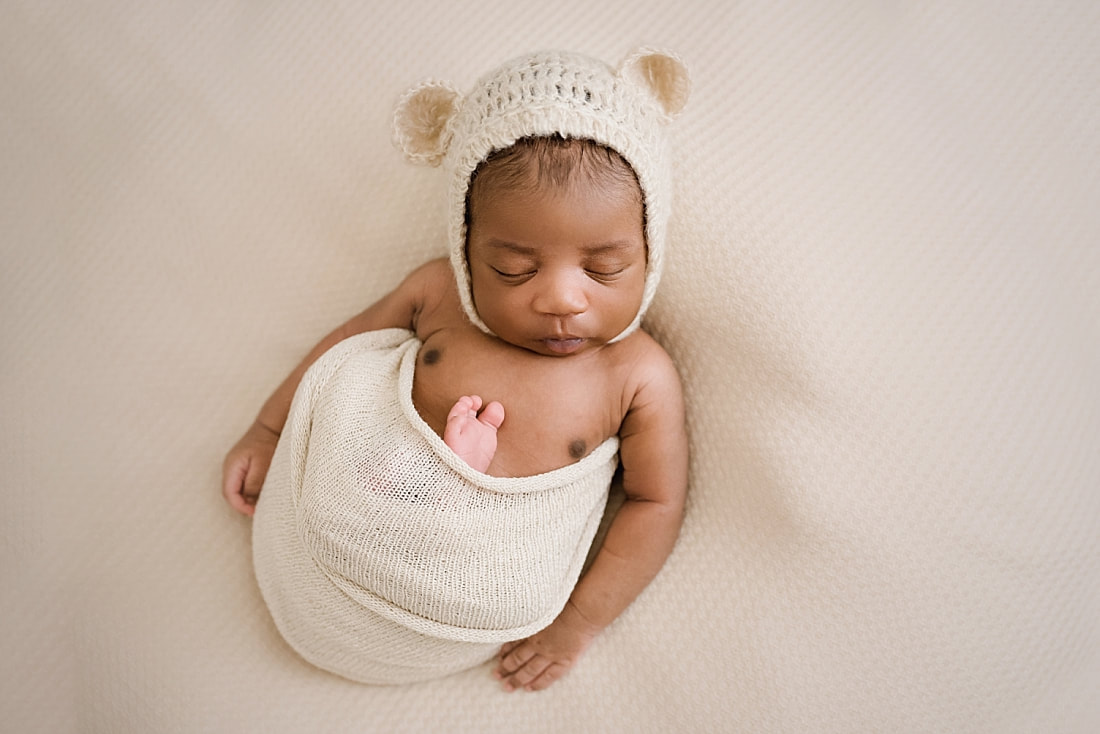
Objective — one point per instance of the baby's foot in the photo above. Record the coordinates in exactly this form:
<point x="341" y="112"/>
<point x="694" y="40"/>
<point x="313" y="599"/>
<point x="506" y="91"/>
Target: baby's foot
<point x="474" y="437"/>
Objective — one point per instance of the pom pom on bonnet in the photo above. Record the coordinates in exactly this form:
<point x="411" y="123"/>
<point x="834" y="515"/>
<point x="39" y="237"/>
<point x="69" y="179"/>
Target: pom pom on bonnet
<point x="542" y="94"/>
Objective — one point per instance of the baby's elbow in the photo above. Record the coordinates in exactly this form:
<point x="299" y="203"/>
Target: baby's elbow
<point x="669" y="510"/>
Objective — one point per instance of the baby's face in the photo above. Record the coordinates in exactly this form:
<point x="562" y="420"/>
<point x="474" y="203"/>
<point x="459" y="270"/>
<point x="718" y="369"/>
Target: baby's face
<point x="557" y="271"/>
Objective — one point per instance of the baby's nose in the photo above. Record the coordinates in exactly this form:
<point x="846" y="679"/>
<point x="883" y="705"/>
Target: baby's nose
<point x="561" y="296"/>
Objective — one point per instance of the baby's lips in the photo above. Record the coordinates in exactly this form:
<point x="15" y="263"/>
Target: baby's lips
<point x="564" y="345"/>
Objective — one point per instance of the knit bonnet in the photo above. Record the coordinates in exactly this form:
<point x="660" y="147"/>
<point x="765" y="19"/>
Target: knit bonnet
<point x="542" y="94"/>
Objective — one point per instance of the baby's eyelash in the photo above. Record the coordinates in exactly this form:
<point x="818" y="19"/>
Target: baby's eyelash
<point x="514" y="276"/>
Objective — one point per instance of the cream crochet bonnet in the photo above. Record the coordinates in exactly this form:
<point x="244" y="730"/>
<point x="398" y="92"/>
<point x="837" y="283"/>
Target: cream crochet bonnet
<point x="542" y="94"/>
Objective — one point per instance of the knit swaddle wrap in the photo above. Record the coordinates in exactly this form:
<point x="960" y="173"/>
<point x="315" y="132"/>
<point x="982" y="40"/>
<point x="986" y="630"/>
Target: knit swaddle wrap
<point x="382" y="555"/>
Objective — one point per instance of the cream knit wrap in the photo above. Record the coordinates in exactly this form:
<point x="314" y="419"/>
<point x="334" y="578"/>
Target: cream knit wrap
<point x="543" y="94"/>
<point x="382" y="555"/>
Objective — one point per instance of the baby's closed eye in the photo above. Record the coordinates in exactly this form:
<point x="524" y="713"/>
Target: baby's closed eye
<point x="606" y="270"/>
<point x="514" y="274"/>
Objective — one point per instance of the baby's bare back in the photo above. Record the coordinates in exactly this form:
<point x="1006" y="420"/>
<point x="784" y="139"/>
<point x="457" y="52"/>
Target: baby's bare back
<point x="557" y="409"/>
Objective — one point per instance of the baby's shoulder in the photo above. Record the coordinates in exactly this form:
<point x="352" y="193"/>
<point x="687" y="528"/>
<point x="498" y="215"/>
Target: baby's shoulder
<point x="643" y="352"/>
<point x="423" y="282"/>
<point x="432" y="275"/>
<point x="431" y="280"/>
<point x="645" y="365"/>
<point x="436" y="295"/>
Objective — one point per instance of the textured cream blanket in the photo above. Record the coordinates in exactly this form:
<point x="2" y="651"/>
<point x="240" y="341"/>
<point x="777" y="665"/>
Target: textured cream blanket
<point x="386" y="558"/>
<point x="882" y="292"/>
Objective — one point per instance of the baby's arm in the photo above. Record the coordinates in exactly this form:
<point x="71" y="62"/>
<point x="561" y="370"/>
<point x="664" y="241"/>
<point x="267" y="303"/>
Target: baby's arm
<point x="654" y="454"/>
<point x="247" y="462"/>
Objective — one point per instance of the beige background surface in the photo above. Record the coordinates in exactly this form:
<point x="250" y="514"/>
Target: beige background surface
<point x="882" y="295"/>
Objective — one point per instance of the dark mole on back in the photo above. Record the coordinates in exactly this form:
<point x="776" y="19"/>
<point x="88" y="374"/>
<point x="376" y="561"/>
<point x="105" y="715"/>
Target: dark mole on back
<point x="577" y="448"/>
<point x="432" y="356"/>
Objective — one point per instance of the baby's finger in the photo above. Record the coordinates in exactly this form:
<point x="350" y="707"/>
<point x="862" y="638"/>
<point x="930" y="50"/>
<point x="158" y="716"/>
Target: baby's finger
<point x="523" y="677"/>
<point x="548" y="676"/>
<point x="248" y="503"/>
<point x="233" y="484"/>
<point x="254" y="482"/>
<point x="507" y="647"/>
<point x="515" y="658"/>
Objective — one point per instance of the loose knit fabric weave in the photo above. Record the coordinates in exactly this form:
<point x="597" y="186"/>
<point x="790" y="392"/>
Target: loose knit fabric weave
<point x="382" y="555"/>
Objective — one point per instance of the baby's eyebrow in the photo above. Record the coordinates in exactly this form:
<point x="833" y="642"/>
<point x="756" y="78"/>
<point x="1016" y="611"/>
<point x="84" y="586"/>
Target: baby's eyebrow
<point x="511" y="247"/>
<point x="613" y="246"/>
<point x="597" y="248"/>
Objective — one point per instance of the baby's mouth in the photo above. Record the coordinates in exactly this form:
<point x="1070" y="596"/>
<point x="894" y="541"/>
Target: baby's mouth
<point x="564" y="345"/>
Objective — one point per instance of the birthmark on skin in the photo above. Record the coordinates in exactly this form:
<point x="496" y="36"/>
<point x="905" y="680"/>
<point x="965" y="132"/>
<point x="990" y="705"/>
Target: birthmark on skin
<point x="432" y="356"/>
<point x="578" y="448"/>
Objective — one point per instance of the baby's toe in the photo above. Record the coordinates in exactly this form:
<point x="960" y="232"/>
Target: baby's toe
<point x="465" y="407"/>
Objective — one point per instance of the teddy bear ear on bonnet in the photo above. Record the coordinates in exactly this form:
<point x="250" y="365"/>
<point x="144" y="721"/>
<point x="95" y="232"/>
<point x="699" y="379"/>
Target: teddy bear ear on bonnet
<point x="663" y="75"/>
<point x="420" y="123"/>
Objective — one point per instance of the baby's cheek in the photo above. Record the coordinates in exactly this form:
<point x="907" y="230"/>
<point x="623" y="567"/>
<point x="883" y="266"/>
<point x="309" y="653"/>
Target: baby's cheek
<point x="495" y="307"/>
<point x="631" y="295"/>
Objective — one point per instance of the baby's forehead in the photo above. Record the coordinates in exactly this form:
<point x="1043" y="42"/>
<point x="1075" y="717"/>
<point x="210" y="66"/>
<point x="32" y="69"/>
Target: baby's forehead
<point x="581" y="220"/>
<point x="554" y="164"/>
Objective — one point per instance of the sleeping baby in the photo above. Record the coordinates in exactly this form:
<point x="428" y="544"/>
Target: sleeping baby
<point x="434" y="471"/>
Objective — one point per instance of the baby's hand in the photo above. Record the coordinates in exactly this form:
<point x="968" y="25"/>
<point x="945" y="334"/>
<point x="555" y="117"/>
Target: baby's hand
<point x="536" y="662"/>
<point x="246" y="466"/>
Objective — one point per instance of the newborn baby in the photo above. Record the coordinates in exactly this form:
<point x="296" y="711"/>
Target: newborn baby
<point x="443" y="465"/>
